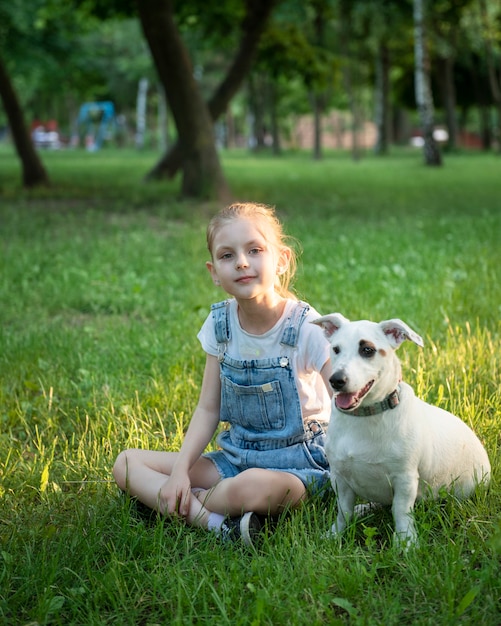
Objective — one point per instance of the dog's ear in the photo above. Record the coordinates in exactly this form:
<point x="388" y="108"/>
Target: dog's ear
<point x="330" y="323"/>
<point x="398" y="331"/>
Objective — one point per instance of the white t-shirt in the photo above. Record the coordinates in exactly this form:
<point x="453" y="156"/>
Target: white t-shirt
<point x="308" y="358"/>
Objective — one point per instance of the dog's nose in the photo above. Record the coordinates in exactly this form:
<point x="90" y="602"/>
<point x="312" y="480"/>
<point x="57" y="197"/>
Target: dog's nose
<point x="338" y="380"/>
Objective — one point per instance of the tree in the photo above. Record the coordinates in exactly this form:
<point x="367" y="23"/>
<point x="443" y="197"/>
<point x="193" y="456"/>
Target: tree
<point x="34" y="173"/>
<point x="491" y="30"/>
<point x="194" y="151"/>
<point x="202" y="173"/>
<point x="424" y="96"/>
<point x="381" y="93"/>
<point x="381" y="20"/>
<point x="351" y="68"/>
<point x="448" y="33"/>
<point x="42" y="70"/>
<point x="318" y="85"/>
<point x="295" y="70"/>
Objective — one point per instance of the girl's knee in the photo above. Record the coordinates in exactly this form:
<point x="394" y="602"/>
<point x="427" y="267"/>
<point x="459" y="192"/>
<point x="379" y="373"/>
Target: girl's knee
<point x="240" y="491"/>
<point x="120" y="468"/>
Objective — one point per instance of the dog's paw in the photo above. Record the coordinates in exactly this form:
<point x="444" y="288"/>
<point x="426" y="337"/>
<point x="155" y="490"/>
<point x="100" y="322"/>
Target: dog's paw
<point x="405" y="541"/>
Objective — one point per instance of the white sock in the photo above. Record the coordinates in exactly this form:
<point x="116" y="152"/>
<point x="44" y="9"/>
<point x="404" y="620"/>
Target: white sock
<point x="214" y="522"/>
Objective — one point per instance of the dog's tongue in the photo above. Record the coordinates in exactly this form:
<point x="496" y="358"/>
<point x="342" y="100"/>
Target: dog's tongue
<point x="345" y="400"/>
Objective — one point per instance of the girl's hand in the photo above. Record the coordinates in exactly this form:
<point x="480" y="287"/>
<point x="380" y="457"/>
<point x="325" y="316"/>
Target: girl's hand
<point x="174" y="495"/>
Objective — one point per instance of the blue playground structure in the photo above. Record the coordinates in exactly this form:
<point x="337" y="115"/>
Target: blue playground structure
<point x="96" y="121"/>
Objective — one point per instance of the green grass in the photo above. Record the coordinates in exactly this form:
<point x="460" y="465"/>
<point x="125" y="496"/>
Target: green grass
<point x="103" y="289"/>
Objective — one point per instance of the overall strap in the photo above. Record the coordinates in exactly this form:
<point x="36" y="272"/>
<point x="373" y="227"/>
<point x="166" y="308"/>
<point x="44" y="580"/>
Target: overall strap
<point x="293" y="324"/>
<point x="221" y="321"/>
<point x="221" y="325"/>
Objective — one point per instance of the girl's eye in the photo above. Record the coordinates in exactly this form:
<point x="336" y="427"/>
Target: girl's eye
<point x="226" y="255"/>
<point x="255" y="251"/>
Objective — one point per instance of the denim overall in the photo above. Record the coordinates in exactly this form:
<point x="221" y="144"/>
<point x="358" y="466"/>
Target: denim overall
<point x="260" y="401"/>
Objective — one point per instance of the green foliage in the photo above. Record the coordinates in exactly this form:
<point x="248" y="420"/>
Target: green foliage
<point x="43" y="50"/>
<point x="103" y="290"/>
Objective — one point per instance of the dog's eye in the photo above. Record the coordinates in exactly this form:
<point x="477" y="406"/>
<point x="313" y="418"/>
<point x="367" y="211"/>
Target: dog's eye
<point x="336" y="350"/>
<point x="367" y="351"/>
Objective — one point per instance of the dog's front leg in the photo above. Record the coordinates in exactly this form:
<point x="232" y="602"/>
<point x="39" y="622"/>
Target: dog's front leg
<point x="345" y="504"/>
<point x="404" y="496"/>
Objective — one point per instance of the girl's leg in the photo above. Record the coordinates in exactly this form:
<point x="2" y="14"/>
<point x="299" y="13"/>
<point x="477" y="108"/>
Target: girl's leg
<point x="262" y="491"/>
<point x="142" y="473"/>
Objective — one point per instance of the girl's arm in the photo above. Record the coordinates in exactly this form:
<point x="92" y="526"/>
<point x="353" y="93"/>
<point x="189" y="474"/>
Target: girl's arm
<point x="175" y="493"/>
<point x="325" y="373"/>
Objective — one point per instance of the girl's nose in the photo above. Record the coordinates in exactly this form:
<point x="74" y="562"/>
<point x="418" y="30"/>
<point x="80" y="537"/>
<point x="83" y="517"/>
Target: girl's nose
<point x="241" y="262"/>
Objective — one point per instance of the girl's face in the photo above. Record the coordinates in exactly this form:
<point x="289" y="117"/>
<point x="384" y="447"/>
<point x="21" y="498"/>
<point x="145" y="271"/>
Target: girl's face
<point x="244" y="263"/>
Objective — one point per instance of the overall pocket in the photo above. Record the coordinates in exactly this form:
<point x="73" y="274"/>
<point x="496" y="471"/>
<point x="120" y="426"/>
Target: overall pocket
<point x="254" y="407"/>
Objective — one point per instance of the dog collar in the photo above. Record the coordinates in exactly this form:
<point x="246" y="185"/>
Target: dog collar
<point x="390" y="402"/>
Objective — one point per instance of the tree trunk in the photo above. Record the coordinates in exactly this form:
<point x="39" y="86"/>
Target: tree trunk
<point x="400" y="128"/>
<point x="348" y="67"/>
<point x="424" y="96"/>
<point x="141" y="103"/>
<point x="493" y="73"/>
<point x="449" y="98"/>
<point x="485" y="128"/>
<point x="202" y="175"/>
<point x="354" y="110"/>
<point x="318" y="98"/>
<point x="256" y="96"/>
<point x="382" y="113"/>
<point x="275" y="129"/>
<point x="252" y="27"/>
<point x="34" y="173"/>
<point x="317" y="126"/>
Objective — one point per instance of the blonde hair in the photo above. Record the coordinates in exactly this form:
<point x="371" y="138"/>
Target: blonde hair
<point x="271" y="229"/>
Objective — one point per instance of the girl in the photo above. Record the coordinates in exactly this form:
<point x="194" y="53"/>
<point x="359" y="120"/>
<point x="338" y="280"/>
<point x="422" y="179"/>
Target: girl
<point x="266" y="375"/>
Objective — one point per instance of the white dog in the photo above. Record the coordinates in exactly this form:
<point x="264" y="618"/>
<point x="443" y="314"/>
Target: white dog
<point x="383" y="443"/>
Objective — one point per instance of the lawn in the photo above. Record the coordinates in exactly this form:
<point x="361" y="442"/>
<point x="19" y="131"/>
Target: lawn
<point x="103" y="288"/>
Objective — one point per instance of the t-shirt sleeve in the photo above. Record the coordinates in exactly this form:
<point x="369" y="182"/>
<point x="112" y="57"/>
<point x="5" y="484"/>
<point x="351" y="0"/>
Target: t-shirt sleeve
<point x="207" y="336"/>
<point x="316" y="347"/>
